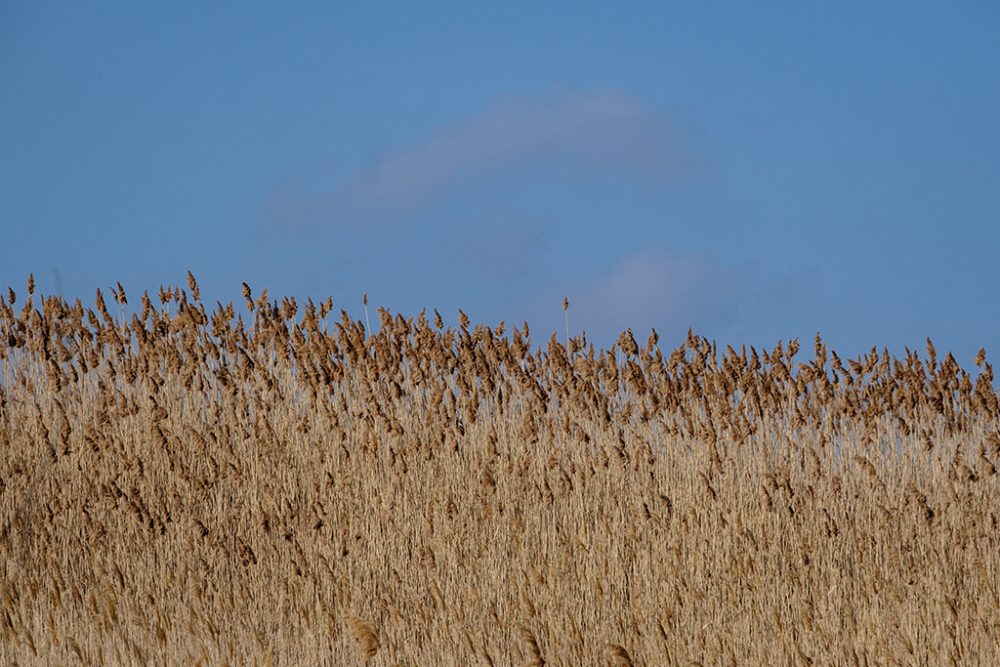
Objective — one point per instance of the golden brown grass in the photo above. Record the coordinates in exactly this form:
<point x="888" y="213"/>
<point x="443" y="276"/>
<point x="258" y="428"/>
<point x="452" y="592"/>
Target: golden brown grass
<point x="192" y="487"/>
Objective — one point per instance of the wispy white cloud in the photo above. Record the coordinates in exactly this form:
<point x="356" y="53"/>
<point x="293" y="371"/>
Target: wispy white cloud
<point x="651" y="289"/>
<point x="605" y="130"/>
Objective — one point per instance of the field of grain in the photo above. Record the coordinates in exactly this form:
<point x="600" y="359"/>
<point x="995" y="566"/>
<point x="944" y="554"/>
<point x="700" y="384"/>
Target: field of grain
<point x="273" y="484"/>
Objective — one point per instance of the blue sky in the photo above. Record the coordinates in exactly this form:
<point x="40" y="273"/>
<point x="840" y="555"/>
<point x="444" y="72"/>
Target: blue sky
<point x="756" y="171"/>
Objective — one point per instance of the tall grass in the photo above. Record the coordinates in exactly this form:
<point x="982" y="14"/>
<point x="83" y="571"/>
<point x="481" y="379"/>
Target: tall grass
<point x="209" y="487"/>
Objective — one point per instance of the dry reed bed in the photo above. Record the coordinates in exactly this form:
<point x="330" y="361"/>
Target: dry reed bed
<point x="190" y="487"/>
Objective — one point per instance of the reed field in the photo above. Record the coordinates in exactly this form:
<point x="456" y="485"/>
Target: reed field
<point x="272" y="483"/>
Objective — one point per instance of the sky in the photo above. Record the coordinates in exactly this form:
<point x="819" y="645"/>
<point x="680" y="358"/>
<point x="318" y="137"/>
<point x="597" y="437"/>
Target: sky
<point x="754" y="171"/>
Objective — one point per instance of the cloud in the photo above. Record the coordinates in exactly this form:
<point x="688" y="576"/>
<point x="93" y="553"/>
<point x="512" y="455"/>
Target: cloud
<point x="602" y="131"/>
<point x="652" y="289"/>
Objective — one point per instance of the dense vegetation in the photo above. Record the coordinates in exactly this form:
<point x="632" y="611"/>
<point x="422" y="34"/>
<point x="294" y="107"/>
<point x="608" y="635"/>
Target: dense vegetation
<point x="200" y="486"/>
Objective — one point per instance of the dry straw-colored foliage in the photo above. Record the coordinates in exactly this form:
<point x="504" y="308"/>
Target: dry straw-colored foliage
<point x="198" y="487"/>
